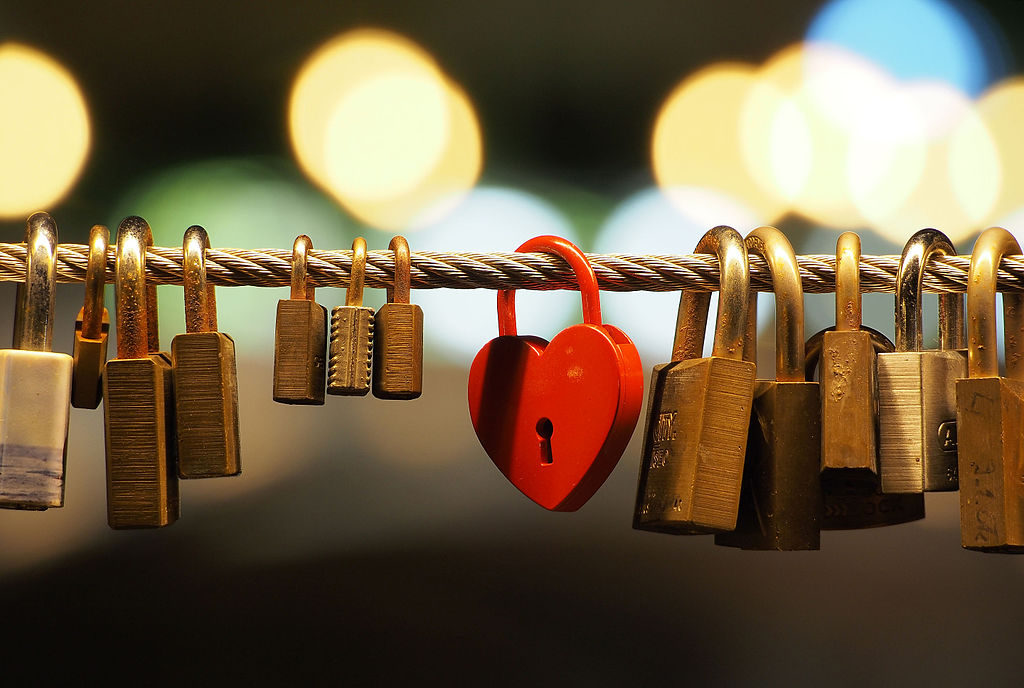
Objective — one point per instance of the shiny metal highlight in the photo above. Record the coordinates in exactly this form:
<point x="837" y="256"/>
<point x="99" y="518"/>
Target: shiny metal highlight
<point x="301" y="289"/>
<point x="909" y="280"/>
<point x="354" y="292"/>
<point x="982" y="356"/>
<point x="36" y="297"/>
<point x="200" y="295"/>
<point x="774" y="247"/>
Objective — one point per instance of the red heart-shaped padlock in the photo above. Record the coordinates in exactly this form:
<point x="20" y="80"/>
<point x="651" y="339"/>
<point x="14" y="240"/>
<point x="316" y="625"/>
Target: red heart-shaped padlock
<point x="555" y="417"/>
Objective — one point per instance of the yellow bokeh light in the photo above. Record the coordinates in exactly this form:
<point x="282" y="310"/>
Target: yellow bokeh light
<point x="1002" y="111"/>
<point x="376" y="123"/>
<point x="695" y="141"/>
<point x="44" y="130"/>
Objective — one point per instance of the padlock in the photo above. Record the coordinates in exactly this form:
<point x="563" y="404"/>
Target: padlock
<point x="91" y="327"/>
<point x="917" y="389"/>
<point x="990" y="409"/>
<point x="351" y="347"/>
<point x="398" y="336"/>
<point x="781" y="500"/>
<point x="853" y="497"/>
<point x="300" y="339"/>
<point x="138" y="393"/>
<point x="849" y="435"/>
<point x="205" y="379"/>
<point x="35" y="384"/>
<point x="698" y="410"/>
<point x="555" y="417"/>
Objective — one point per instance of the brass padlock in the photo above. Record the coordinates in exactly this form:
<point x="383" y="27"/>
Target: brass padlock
<point x="35" y="384"/>
<point x="138" y="392"/>
<point x="398" y="335"/>
<point x="917" y="389"/>
<point x="300" y="339"/>
<point x="351" y="348"/>
<point x="849" y="436"/>
<point x="781" y="502"/>
<point x="205" y="379"/>
<point x="853" y="497"/>
<point x="990" y="409"/>
<point x="698" y="411"/>
<point x="91" y="327"/>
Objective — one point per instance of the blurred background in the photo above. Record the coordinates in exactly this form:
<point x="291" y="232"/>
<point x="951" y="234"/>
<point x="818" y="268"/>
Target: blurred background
<point x="373" y="542"/>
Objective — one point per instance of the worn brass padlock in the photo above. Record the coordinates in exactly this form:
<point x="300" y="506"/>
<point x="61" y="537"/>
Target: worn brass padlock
<point x="300" y="339"/>
<point x="990" y="409"/>
<point x="138" y="392"/>
<point x="35" y="384"/>
<point x="91" y="327"/>
<point x="847" y="375"/>
<point x="917" y="389"/>
<point x="698" y="412"/>
<point x="205" y="380"/>
<point x="398" y="336"/>
<point x="853" y="497"/>
<point x="351" y="347"/>
<point x="781" y="502"/>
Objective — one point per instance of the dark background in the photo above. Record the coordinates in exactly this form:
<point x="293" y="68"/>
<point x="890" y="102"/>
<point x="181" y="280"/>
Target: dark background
<point x="373" y="542"/>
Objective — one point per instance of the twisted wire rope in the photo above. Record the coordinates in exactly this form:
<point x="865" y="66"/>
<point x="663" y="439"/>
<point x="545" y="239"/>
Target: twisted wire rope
<point x="466" y="270"/>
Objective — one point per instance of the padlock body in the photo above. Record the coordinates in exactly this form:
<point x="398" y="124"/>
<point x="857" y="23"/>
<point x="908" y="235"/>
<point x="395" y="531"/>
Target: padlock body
<point x="398" y="351"/>
<point x="351" y="349"/>
<point x="90" y="355"/>
<point x="990" y="423"/>
<point x="142" y="481"/>
<point x="206" y="405"/>
<point x="300" y="349"/>
<point x="781" y="500"/>
<point x="35" y="393"/>
<point x="698" y="415"/>
<point x="848" y="409"/>
<point x="917" y="448"/>
<point x="854" y="500"/>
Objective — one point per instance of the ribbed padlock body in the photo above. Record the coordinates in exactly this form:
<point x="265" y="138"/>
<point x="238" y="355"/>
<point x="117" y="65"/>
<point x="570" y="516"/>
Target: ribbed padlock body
<point x="90" y="355"/>
<point x="691" y="468"/>
<point x="398" y="351"/>
<point x="917" y="448"/>
<point x="206" y="405"/>
<point x="351" y="350"/>
<point x="781" y="500"/>
<point x="848" y="411"/>
<point x="142" y="481"/>
<point x="300" y="352"/>
<point x="990" y="421"/>
<point x="35" y="393"/>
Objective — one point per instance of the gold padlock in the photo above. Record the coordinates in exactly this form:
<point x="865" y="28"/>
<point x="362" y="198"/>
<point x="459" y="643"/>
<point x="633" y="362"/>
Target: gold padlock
<point x="351" y="347"/>
<point x="398" y="335"/>
<point x="91" y="327"/>
<point x="300" y="338"/>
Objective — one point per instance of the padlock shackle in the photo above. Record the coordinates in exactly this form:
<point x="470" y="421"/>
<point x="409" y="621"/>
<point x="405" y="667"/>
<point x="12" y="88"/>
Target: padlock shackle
<point x="36" y="296"/>
<point x="909" y="278"/>
<point x="95" y="280"/>
<point x="399" y="293"/>
<point x="733" y="301"/>
<point x="982" y="356"/>
<point x="357" y="275"/>
<point x="849" y="316"/>
<point x="137" y="324"/>
<point x="773" y="246"/>
<point x="581" y="267"/>
<point x="812" y="348"/>
<point x="200" y="295"/>
<point x="301" y="289"/>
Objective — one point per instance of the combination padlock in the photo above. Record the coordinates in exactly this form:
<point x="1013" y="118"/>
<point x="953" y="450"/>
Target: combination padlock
<point x="138" y="393"/>
<point x="300" y="338"/>
<point x="555" y="417"/>
<point x="781" y="501"/>
<point x="35" y="384"/>
<point x="990" y="409"/>
<point x="398" y="335"/>
<point x="205" y="378"/>
<point x="91" y="327"/>
<point x="698" y="413"/>
<point x="917" y="389"/>
<point x="351" y="348"/>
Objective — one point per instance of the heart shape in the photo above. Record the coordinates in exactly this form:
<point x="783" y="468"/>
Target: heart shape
<point x="555" y="417"/>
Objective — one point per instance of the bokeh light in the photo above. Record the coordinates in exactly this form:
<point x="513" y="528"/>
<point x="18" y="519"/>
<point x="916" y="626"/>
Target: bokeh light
<point x="1002" y="111"/>
<point x="458" y="322"/>
<point x="44" y="130"/>
<point x="376" y="124"/>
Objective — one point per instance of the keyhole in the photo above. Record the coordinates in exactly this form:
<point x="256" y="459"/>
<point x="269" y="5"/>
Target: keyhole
<point x="544" y="431"/>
